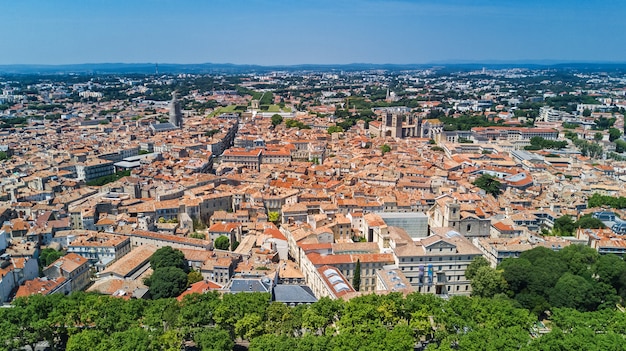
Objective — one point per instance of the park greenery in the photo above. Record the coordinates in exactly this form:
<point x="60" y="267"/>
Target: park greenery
<point x="599" y="200"/>
<point x="542" y="280"/>
<point x="371" y="322"/>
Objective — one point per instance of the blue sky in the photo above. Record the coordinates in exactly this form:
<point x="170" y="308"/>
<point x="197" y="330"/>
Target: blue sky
<point x="272" y="32"/>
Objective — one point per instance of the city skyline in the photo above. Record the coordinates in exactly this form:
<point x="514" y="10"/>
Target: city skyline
<point x="322" y="32"/>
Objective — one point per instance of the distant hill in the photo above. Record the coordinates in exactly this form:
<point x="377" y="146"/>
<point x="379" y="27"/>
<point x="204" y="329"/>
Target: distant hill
<point x="227" y="68"/>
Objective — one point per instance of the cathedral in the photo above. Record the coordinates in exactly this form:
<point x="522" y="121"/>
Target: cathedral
<point x="397" y="124"/>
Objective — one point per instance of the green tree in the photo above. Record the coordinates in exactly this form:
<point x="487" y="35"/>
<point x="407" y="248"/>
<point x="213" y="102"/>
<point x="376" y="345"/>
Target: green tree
<point x="167" y="282"/>
<point x="488" y="282"/>
<point x="614" y="134"/>
<point x="586" y="112"/>
<point x="249" y="327"/>
<point x="273" y="217"/>
<point x="609" y="269"/>
<point x="49" y="255"/>
<point x="400" y="338"/>
<point x="356" y="279"/>
<point x="489" y="184"/>
<point x="385" y="149"/>
<point x="472" y="268"/>
<point x="194" y="277"/>
<point x="222" y="242"/>
<point x="588" y="222"/>
<point x="169" y="257"/>
<point x="87" y="340"/>
<point x="277" y="119"/>
<point x="579" y="259"/>
<point x="564" y="226"/>
<point x="197" y="310"/>
<point x="3" y="156"/>
<point x="213" y="339"/>
<point x="620" y="146"/>
<point x="334" y="129"/>
<point x="571" y="291"/>
<point x="597" y="136"/>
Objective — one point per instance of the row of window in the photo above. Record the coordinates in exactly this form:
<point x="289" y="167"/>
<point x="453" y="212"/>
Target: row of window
<point x="428" y="288"/>
<point x="422" y="259"/>
<point x="439" y="267"/>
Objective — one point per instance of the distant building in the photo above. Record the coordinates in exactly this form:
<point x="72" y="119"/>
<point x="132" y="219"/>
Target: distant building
<point x="175" y="118"/>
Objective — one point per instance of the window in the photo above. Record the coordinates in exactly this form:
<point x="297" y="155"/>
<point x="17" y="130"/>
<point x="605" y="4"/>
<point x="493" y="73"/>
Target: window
<point x="469" y="227"/>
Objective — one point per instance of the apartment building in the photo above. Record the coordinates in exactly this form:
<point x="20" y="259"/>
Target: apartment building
<point x="100" y="249"/>
<point x="73" y="267"/>
<point x="328" y="281"/>
<point x="346" y="261"/>
<point x="244" y="158"/>
<point x="497" y="249"/>
<point x="93" y="169"/>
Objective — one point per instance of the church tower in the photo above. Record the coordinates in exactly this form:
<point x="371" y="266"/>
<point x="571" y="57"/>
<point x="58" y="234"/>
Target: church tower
<point x="176" y="116"/>
<point x="396" y="125"/>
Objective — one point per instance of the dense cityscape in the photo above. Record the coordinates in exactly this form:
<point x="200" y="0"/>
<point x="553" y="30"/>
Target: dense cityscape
<point x="436" y="208"/>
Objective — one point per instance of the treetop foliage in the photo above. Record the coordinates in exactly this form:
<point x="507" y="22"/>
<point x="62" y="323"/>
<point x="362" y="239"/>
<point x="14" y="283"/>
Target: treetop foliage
<point x="489" y="184"/>
<point x="368" y="322"/>
<point x="168" y="257"/>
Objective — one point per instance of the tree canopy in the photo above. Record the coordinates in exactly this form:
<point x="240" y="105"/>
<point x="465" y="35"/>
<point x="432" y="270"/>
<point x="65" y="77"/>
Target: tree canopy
<point x="574" y="277"/>
<point x="222" y="242"/>
<point x="277" y="119"/>
<point x="369" y="322"/>
<point x="168" y="257"/>
<point x="489" y="184"/>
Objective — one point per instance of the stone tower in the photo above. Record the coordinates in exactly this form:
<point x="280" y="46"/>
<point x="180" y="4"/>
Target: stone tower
<point x="176" y="116"/>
